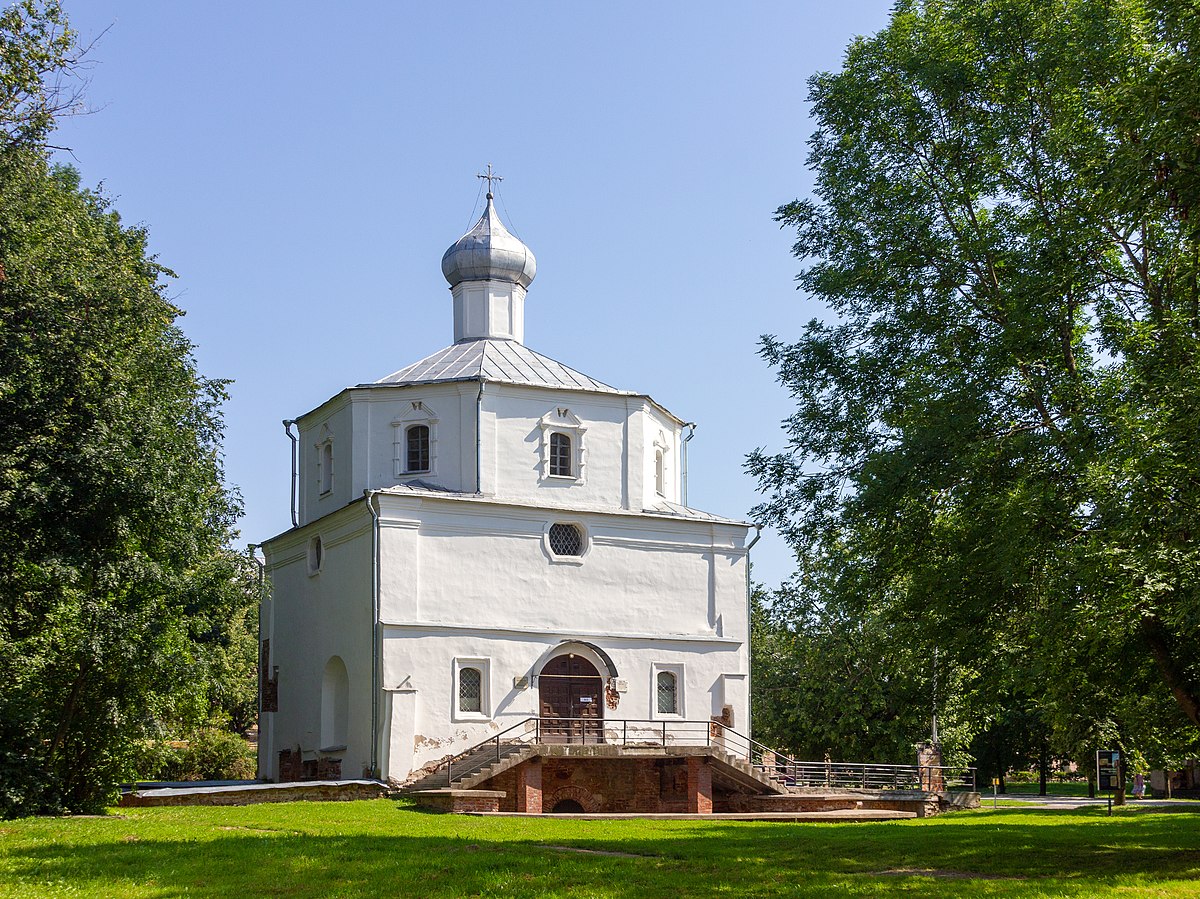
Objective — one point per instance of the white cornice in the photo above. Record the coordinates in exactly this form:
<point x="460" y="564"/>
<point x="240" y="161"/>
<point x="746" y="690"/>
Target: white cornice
<point x="608" y="635"/>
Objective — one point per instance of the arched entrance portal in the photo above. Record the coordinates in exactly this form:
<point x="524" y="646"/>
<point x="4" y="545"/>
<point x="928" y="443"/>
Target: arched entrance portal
<point x="571" y="693"/>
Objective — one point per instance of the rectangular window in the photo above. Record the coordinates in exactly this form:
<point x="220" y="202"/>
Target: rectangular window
<point x="560" y="455"/>
<point x="417" y="448"/>
<point x="668" y="693"/>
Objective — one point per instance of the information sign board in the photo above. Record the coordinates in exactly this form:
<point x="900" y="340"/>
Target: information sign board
<point x="1107" y="765"/>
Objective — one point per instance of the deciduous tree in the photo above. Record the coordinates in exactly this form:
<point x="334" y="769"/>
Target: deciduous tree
<point x="998" y="418"/>
<point x="118" y="587"/>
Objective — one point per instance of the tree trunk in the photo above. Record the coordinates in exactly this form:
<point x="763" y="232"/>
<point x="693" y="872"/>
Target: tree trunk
<point x="1043" y="768"/>
<point x="1119" y="799"/>
<point x="68" y="711"/>
<point x="1158" y="640"/>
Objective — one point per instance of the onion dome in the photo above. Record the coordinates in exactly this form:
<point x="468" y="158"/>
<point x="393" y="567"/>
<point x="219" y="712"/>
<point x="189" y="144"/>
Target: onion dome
<point x="488" y="252"/>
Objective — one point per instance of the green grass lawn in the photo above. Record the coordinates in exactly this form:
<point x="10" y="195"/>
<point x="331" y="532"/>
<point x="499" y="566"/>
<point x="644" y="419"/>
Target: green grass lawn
<point x="381" y="848"/>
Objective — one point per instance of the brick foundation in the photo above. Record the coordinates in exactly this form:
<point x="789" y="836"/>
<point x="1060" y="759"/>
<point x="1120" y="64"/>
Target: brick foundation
<point x="607" y="784"/>
<point x="699" y="786"/>
<point x="680" y="780"/>
<point x="459" y="801"/>
<point x="527" y="792"/>
<point x="293" y="767"/>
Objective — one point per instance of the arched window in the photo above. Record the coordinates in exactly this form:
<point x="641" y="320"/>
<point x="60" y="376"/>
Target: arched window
<point x="325" y="463"/>
<point x="667" y="685"/>
<point x="560" y="455"/>
<point x="470" y="690"/>
<point x="658" y="473"/>
<point x="417" y="449"/>
<point x="335" y="704"/>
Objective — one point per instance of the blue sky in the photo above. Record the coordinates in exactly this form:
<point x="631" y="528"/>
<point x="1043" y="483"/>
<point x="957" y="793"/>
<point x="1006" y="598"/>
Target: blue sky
<point x="302" y="166"/>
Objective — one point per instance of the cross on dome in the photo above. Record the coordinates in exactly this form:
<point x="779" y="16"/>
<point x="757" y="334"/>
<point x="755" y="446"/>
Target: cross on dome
<point x="489" y="178"/>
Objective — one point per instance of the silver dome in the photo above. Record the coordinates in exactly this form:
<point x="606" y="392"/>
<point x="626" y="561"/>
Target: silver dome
<point x="489" y="253"/>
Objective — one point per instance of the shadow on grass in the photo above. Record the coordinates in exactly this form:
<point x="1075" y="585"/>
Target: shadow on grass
<point x="443" y="856"/>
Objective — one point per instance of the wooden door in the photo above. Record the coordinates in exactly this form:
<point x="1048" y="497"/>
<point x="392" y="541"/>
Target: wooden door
<point x="571" y="693"/>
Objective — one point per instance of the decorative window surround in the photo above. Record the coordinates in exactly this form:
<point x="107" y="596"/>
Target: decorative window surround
<point x="419" y="414"/>
<point x="483" y="667"/>
<point x="568" y="558"/>
<point x="325" y="462"/>
<point x="675" y="670"/>
<point x="661" y="454"/>
<point x="316" y="556"/>
<point x="561" y="420"/>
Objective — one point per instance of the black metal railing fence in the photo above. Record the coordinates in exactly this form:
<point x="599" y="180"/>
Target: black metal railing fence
<point x="681" y="732"/>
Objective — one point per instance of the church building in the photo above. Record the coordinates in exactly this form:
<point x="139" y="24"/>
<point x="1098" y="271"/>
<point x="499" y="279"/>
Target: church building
<point x="488" y="539"/>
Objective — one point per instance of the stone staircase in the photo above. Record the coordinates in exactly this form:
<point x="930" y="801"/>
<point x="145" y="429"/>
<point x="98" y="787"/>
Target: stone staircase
<point x="463" y="772"/>
<point x="748" y="775"/>
<point x="482" y="763"/>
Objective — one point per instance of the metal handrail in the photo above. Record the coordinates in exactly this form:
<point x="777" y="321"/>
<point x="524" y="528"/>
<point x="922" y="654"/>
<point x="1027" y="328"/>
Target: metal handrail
<point x="752" y="744"/>
<point x="495" y="738"/>
<point x="782" y="768"/>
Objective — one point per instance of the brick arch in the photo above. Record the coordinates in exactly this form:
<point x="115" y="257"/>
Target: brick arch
<point x="584" y="797"/>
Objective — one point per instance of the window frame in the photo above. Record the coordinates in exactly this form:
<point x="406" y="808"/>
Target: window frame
<point x="324" y="448"/>
<point x="315" y="555"/>
<point x="675" y="669"/>
<point x="483" y="666"/>
<point x="585" y="538"/>
<point x="661" y="463"/>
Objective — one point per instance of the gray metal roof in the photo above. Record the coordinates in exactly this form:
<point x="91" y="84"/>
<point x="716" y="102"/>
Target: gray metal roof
<point x="496" y="360"/>
<point x="665" y="508"/>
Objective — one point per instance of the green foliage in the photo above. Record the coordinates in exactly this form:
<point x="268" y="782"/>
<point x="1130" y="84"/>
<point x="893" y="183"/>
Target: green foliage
<point x="207" y="753"/>
<point x="998" y="427"/>
<point x="38" y="61"/>
<point x="853" y="689"/>
<point x="367" y="849"/>
<point x="118" y="590"/>
<point x="122" y="609"/>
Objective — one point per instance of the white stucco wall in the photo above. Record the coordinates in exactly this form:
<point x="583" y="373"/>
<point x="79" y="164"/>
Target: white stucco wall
<point x="422" y="725"/>
<point x="469" y="561"/>
<point x="619" y="435"/>
<point x="473" y="579"/>
<point x="309" y="619"/>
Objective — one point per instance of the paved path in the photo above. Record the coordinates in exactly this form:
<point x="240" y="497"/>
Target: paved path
<point x="1070" y="802"/>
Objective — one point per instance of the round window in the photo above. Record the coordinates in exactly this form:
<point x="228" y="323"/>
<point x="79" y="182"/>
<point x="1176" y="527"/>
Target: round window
<point x="566" y="540"/>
